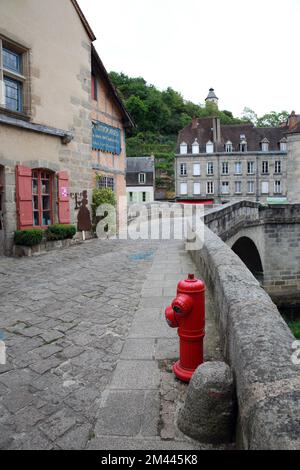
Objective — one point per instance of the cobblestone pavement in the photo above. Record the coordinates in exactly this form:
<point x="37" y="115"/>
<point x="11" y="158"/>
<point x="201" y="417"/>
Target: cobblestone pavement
<point x="71" y="380"/>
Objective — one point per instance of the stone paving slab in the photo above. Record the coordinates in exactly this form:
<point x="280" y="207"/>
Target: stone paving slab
<point x="89" y="351"/>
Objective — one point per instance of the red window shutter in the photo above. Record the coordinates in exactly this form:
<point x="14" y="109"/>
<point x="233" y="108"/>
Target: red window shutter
<point x="63" y="198"/>
<point x="24" y="197"/>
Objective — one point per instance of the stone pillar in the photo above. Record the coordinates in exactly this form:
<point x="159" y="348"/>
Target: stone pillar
<point x="293" y="168"/>
<point x="208" y="414"/>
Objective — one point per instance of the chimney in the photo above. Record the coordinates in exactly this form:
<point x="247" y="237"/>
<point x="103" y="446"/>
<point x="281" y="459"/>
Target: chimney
<point x="293" y="121"/>
<point x="194" y="122"/>
<point x="216" y="130"/>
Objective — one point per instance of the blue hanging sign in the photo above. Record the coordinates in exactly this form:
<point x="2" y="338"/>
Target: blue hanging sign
<point x="106" y="138"/>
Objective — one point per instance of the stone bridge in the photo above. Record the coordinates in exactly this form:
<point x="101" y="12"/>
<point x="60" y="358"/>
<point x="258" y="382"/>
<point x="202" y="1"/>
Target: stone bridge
<point x="267" y="240"/>
<point x="257" y="343"/>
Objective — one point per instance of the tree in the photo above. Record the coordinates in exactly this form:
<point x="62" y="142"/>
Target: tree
<point x="273" y="119"/>
<point x="249" y="115"/>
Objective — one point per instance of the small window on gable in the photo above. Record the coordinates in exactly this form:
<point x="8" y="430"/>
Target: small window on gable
<point x="195" y="147"/>
<point x="183" y="148"/>
<point x="243" y="146"/>
<point x="209" y="147"/>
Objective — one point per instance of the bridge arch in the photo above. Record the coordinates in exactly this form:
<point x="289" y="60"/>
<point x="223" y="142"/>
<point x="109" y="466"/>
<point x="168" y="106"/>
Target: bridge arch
<point x="247" y="251"/>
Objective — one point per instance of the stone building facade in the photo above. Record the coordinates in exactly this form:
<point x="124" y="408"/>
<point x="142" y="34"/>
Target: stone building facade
<point x="220" y="163"/>
<point x="48" y="66"/>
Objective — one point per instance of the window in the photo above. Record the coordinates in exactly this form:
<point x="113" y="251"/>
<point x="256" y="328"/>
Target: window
<point x="283" y="146"/>
<point x="265" y="167"/>
<point x="183" y="169"/>
<point x="238" y="187"/>
<point x="243" y="143"/>
<point x="210" y="187"/>
<point x="42" y="198"/>
<point x="210" y="168"/>
<point x="209" y="147"/>
<point x="12" y="61"/>
<point x="106" y="182"/>
<point x="277" y="187"/>
<point x="278" y="166"/>
<point x="250" y="168"/>
<point x="225" y="168"/>
<point x="196" y="169"/>
<point x="225" y="187"/>
<point x="228" y="147"/>
<point x="265" y="146"/>
<point x="197" y="188"/>
<point x="142" y="178"/>
<point x="238" y="168"/>
<point x="183" y="148"/>
<point x="183" y="188"/>
<point x="130" y="197"/>
<point x="265" y="187"/>
<point x="250" y="187"/>
<point x="144" y="197"/>
<point x="195" y="147"/>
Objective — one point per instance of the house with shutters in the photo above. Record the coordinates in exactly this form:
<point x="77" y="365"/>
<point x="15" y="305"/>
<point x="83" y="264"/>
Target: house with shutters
<point x="62" y="124"/>
<point x="140" y="179"/>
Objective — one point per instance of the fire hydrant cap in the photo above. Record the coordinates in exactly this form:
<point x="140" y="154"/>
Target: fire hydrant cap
<point x="191" y="284"/>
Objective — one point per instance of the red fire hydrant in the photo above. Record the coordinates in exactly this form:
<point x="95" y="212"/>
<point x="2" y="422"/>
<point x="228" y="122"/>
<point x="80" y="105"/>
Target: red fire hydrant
<point x="187" y="313"/>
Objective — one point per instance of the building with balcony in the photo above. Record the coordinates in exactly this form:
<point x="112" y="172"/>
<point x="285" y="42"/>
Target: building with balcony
<point x="220" y="163"/>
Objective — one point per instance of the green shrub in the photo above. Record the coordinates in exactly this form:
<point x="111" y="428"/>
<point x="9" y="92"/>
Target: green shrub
<point x="103" y="196"/>
<point x="30" y="237"/>
<point x="60" y="232"/>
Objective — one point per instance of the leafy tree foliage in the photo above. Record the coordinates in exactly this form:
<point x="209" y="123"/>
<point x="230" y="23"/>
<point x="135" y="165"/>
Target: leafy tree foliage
<point x="271" y="119"/>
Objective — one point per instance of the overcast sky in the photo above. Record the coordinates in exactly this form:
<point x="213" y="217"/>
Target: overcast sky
<point x="247" y="50"/>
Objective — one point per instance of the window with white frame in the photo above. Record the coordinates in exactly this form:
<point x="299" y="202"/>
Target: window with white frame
<point x="106" y="182"/>
<point x="142" y="178"/>
<point x="283" y="146"/>
<point x="209" y="147"/>
<point x="265" y="187"/>
<point x="183" y="169"/>
<point x="277" y="187"/>
<point x="14" y="92"/>
<point x="196" y="169"/>
<point x="197" y="188"/>
<point x="243" y="146"/>
<point x="210" y="168"/>
<point x="225" y="168"/>
<point x="225" y="187"/>
<point x="238" y="168"/>
<point x="183" y="148"/>
<point x="265" y="146"/>
<point x="183" y="188"/>
<point x="210" y="187"/>
<point x="278" y="166"/>
<point x="228" y="147"/>
<point x="250" y="187"/>
<point x="250" y="168"/>
<point x="265" y="167"/>
<point x="237" y="187"/>
<point x="195" y="147"/>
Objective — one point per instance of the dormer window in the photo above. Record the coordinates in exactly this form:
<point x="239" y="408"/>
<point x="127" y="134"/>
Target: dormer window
<point x="183" y="148"/>
<point x="142" y="178"/>
<point x="243" y="146"/>
<point x="228" y="147"/>
<point x="195" y="147"/>
<point x="209" y="147"/>
<point x="283" y="145"/>
<point x="264" y="145"/>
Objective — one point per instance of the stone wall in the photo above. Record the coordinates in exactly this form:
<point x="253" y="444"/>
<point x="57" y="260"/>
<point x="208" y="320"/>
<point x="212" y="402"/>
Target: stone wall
<point x="257" y="344"/>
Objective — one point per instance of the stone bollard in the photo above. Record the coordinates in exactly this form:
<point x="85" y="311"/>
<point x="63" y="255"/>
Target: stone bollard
<point x="208" y="414"/>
